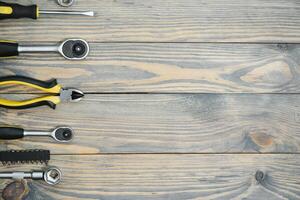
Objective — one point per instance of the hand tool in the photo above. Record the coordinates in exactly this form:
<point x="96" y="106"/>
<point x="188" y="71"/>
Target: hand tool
<point x="60" y="134"/>
<point x="58" y="94"/>
<point x="17" y="11"/>
<point x="72" y="49"/>
<point x="13" y="157"/>
<point x="65" y="3"/>
<point x="51" y="175"/>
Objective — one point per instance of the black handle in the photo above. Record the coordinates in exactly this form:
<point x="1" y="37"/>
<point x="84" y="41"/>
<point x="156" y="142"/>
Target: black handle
<point x="16" y="11"/>
<point x="33" y="105"/>
<point x="44" y="84"/>
<point x="11" y="133"/>
<point x="8" y="49"/>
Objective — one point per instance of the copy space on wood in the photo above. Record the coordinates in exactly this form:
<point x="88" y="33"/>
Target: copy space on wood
<point x="176" y="177"/>
<point x="165" y="21"/>
<point x="166" y="123"/>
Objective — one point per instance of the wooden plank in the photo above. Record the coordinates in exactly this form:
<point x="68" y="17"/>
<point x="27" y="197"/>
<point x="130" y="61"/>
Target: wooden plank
<point x="171" y="177"/>
<point x="168" y="20"/>
<point x="173" y="67"/>
<point x="182" y="123"/>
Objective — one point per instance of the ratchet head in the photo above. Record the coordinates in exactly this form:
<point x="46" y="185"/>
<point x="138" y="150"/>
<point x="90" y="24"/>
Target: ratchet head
<point x="74" y="49"/>
<point x="52" y="175"/>
<point x="62" y="134"/>
<point x="65" y="3"/>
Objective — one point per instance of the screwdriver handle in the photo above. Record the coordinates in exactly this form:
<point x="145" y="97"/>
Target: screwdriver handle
<point x="16" y="11"/>
<point x="11" y="133"/>
<point x="8" y="49"/>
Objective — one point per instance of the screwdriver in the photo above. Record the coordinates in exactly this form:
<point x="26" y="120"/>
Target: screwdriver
<point x="16" y="11"/>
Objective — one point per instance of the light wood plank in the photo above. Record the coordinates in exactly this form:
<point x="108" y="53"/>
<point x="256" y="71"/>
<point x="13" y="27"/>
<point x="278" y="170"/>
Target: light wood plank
<point x="182" y="123"/>
<point x="168" y="20"/>
<point x="214" y="68"/>
<point x="181" y="177"/>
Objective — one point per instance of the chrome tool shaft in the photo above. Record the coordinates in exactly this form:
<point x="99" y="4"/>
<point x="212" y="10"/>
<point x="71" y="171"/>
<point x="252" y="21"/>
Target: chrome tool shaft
<point x="51" y="175"/>
<point x="58" y="12"/>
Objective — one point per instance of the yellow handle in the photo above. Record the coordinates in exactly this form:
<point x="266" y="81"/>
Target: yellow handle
<point x="6" y="10"/>
<point x="51" y="101"/>
<point x="37" y="12"/>
<point x="54" y="90"/>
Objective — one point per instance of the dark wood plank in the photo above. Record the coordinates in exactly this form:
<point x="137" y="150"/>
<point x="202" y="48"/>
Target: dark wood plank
<point x="168" y="20"/>
<point x="178" y="177"/>
<point x="214" y="68"/>
<point x="183" y="123"/>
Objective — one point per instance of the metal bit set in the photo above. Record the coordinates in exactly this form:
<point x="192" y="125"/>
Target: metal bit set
<point x="14" y="157"/>
<point x="71" y="49"/>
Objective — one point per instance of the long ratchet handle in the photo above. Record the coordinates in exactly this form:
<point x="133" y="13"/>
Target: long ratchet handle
<point x="11" y="133"/>
<point x="8" y="48"/>
<point x="46" y="86"/>
<point x="16" y="11"/>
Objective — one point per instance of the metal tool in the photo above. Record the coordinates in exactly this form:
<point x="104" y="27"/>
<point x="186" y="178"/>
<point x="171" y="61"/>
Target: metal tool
<point x="57" y="94"/>
<point x="29" y="156"/>
<point x="51" y="175"/>
<point x="65" y="3"/>
<point x="60" y="134"/>
<point x="65" y="12"/>
<point x="16" y="11"/>
<point x="71" y="49"/>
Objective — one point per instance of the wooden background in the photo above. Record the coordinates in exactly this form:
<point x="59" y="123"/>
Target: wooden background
<point x="185" y="99"/>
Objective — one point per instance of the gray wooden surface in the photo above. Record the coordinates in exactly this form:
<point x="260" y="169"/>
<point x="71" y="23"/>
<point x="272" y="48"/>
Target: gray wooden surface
<point x="168" y="123"/>
<point x="168" y="21"/>
<point x="172" y="177"/>
<point x="184" y="100"/>
<point x="171" y="67"/>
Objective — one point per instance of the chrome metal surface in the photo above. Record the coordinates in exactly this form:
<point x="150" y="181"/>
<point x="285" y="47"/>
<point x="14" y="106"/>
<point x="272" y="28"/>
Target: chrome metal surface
<point x="58" y="48"/>
<point x="65" y="3"/>
<point x="64" y="12"/>
<point x="32" y="49"/>
<point x="51" y="175"/>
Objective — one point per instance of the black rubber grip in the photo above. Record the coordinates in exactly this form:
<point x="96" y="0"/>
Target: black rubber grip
<point x="8" y="49"/>
<point x="33" y="105"/>
<point x="16" y="11"/>
<point x="11" y="133"/>
<point x="44" y="84"/>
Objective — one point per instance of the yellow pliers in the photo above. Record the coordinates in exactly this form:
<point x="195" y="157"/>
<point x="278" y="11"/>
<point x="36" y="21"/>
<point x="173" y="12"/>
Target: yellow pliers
<point x="56" y="93"/>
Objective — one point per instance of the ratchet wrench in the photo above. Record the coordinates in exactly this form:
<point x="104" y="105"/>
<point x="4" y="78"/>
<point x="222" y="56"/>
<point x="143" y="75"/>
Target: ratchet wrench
<point x="17" y="11"/>
<point x="51" y="175"/>
<point x="60" y="134"/>
<point x="71" y="49"/>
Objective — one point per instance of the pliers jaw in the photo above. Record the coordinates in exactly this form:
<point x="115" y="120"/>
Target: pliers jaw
<point x="71" y="95"/>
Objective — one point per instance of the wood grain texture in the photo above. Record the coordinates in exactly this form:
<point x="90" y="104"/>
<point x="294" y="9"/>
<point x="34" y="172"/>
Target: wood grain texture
<point x="204" y="146"/>
<point x="178" y="177"/>
<point x="182" y="123"/>
<point x="168" y="20"/>
<point x="184" y="68"/>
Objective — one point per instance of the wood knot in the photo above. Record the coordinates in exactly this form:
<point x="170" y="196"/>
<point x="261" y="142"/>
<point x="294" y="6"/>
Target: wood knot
<point x="260" y="176"/>
<point x="269" y="75"/>
<point x="262" y="137"/>
<point x="283" y="47"/>
<point x="16" y="190"/>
